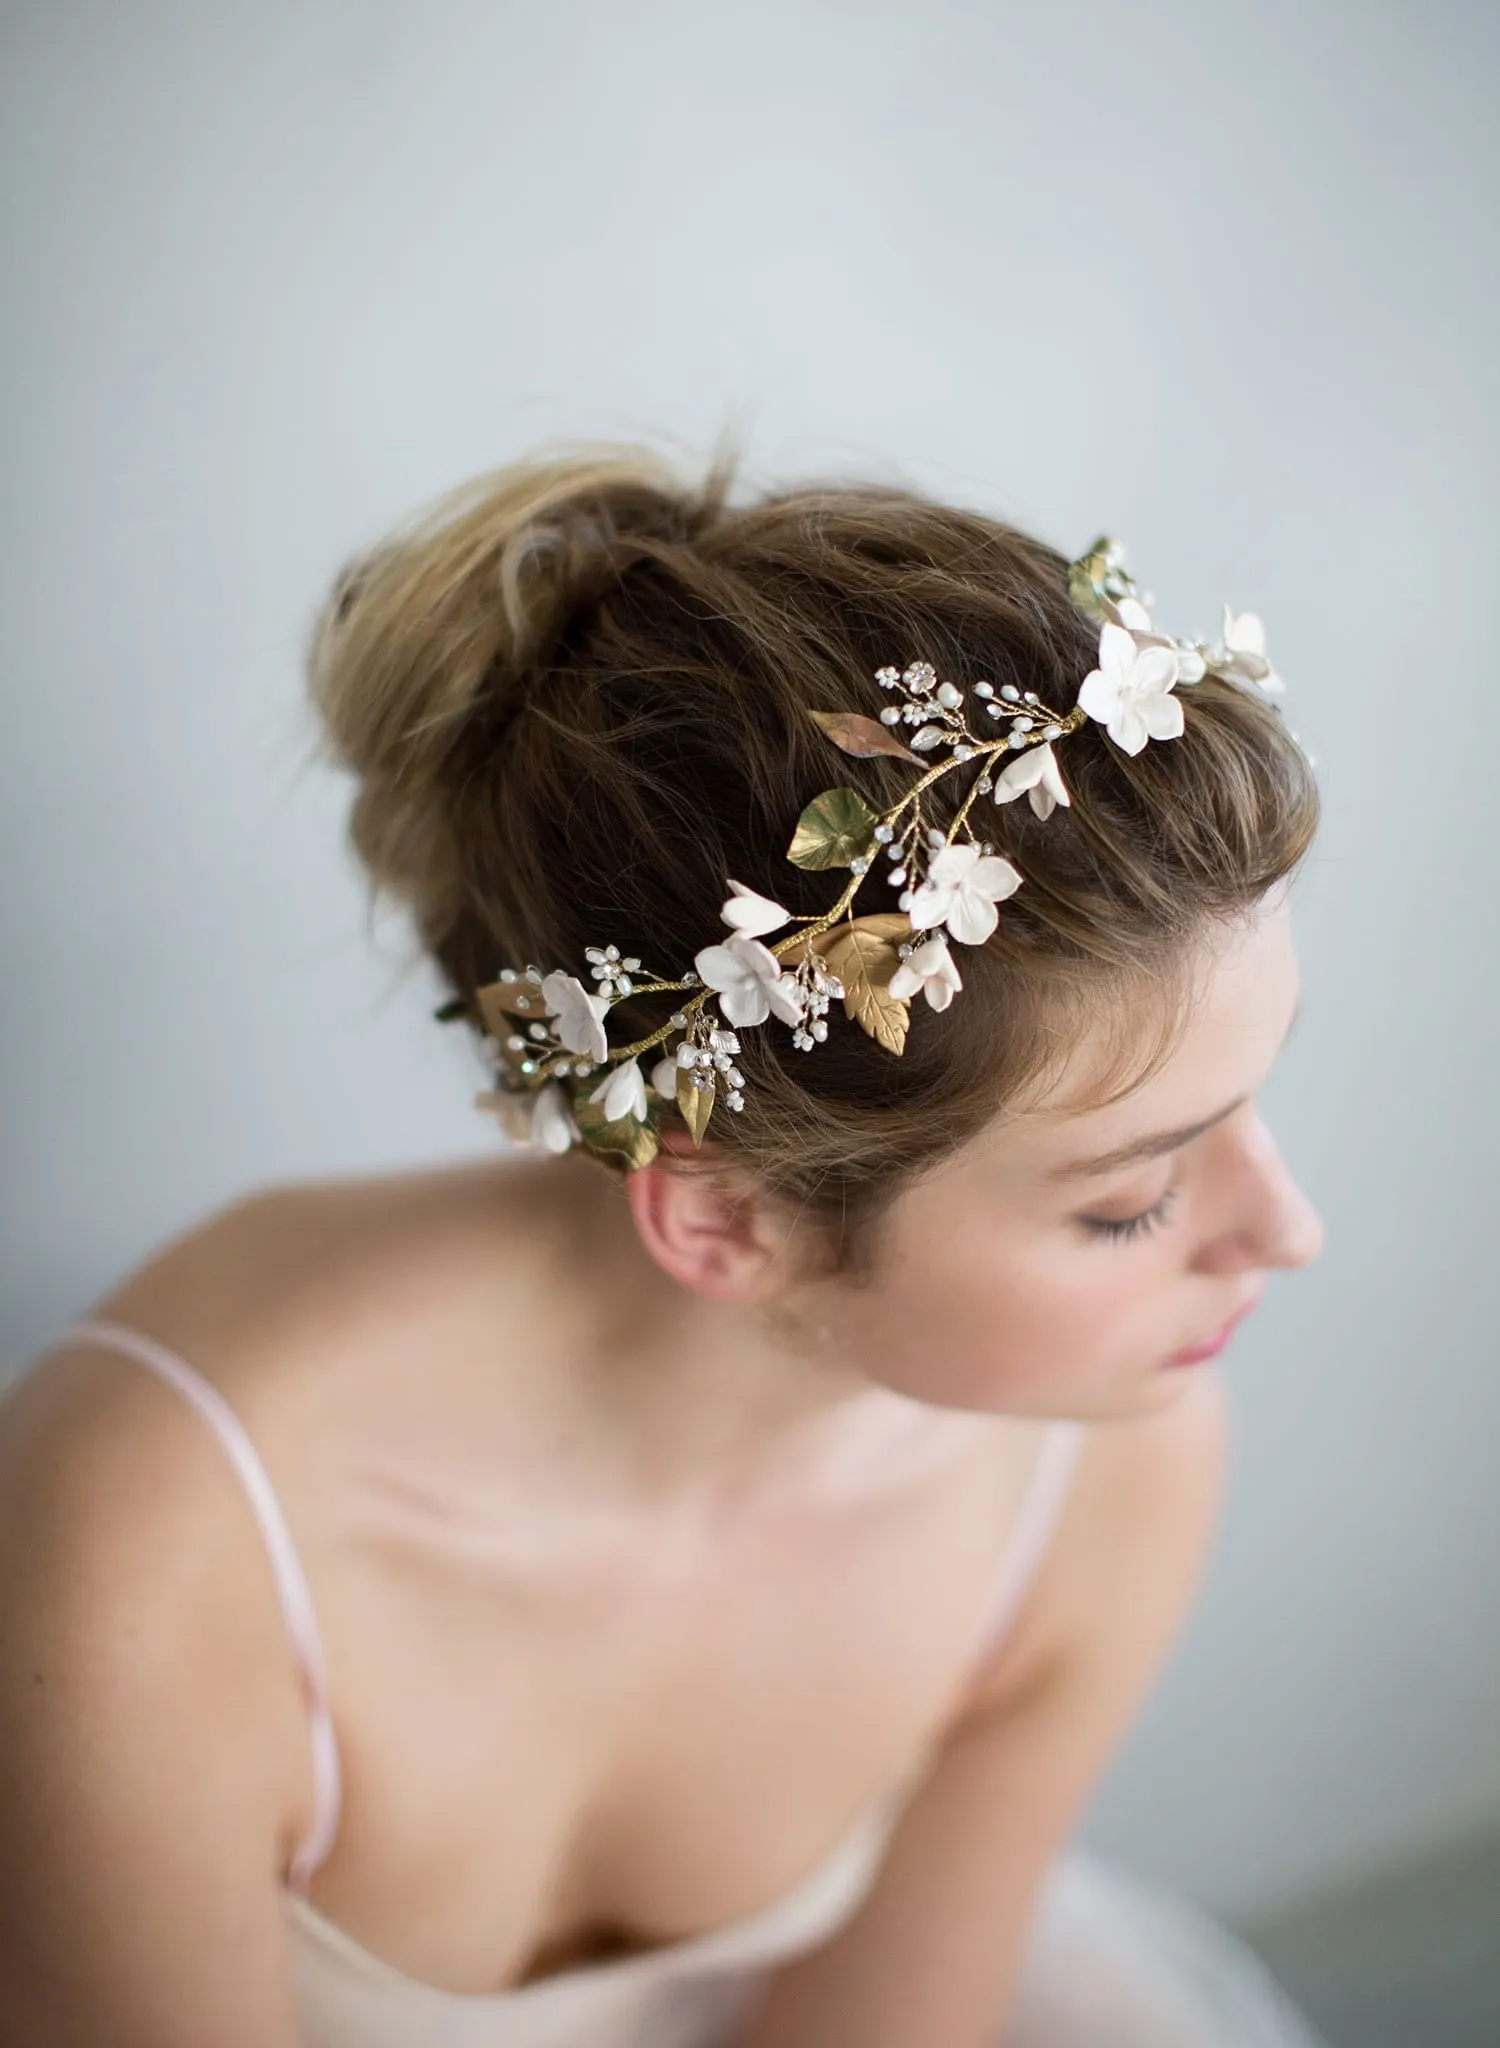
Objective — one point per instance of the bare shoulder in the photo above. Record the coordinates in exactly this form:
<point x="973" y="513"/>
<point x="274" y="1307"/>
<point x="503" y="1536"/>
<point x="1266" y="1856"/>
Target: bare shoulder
<point x="1131" y="1544"/>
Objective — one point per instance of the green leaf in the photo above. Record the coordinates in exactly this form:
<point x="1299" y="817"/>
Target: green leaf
<point x="832" y="831"/>
<point x="627" y="1136"/>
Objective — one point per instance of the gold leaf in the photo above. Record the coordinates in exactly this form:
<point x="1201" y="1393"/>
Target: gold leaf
<point x="862" y="736"/>
<point x="696" y="1104"/>
<point x="502" y="1000"/>
<point x="835" y="827"/>
<point x="881" y="924"/>
<point x="628" y="1137"/>
<point x="864" y="962"/>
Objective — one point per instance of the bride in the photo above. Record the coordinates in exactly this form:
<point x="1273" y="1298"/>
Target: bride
<point x="675" y="1581"/>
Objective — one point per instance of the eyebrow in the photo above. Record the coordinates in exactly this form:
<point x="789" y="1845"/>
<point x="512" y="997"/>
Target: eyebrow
<point x="1158" y="1142"/>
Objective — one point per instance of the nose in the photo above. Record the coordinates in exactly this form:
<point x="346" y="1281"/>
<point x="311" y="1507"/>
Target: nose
<point x="1266" y="1218"/>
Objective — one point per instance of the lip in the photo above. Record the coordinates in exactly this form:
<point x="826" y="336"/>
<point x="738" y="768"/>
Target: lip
<point x="1196" y="1354"/>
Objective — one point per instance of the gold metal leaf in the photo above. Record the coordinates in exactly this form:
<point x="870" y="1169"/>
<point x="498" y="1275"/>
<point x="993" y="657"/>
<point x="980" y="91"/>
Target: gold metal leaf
<point x="863" y="736"/>
<point x="881" y="924"/>
<point x="626" y="1137"/>
<point x="864" y="962"/>
<point x="835" y="827"/>
<point x="696" y="1104"/>
<point x="502" y="1000"/>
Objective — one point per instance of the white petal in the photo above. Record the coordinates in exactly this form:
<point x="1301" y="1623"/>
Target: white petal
<point x="993" y="877"/>
<point x="1128" y="729"/>
<point x="1052" y="782"/>
<point x="577" y="1016"/>
<point x="1117" y="649"/>
<point x="759" y="960"/>
<point x="1155" y="670"/>
<point x="745" y="1001"/>
<point x="786" y="999"/>
<point x="750" y="913"/>
<point x="950" y="866"/>
<point x="1021" y="774"/>
<point x="972" y="918"/>
<point x="552" y="1122"/>
<point x="929" y="906"/>
<point x="939" y="993"/>
<point x="1099" y="696"/>
<point x="905" y="982"/>
<point x="1245" y="634"/>
<point x="623" y="1092"/>
<point x="1190" y="667"/>
<point x="1162" y="717"/>
<point x="1133" y="614"/>
<point x="664" y="1078"/>
<point x="719" y="967"/>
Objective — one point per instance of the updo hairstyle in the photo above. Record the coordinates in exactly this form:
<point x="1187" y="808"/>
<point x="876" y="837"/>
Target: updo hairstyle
<point x="575" y="699"/>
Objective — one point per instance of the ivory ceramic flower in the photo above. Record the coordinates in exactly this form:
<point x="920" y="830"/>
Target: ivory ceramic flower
<point x="622" y="1091"/>
<point x="1035" y="771"/>
<point x="1243" y="653"/>
<point x="750" y="914"/>
<point x="928" y="970"/>
<point x="544" y="1118"/>
<point x="1129" y="693"/>
<point x="962" y="888"/>
<point x="748" y="980"/>
<point x="1133" y="615"/>
<point x="552" y="1124"/>
<point x="664" y="1079"/>
<point x="577" y="1016"/>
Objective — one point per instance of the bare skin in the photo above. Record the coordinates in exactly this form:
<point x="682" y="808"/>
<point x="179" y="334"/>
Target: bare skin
<point x="643" y="1562"/>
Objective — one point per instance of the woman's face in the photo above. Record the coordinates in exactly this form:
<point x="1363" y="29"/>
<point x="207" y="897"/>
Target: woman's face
<point x="1057" y="1263"/>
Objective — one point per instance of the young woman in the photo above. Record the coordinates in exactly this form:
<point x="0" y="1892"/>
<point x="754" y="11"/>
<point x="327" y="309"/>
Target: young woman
<point x="677" y="1582"/>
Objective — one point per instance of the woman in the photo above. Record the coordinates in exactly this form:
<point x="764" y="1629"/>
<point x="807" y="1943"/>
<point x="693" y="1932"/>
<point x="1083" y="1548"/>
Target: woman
<point x="716" y="1547"/>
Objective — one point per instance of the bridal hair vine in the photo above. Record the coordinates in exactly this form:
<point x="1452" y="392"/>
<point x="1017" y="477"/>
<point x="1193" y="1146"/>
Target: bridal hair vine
<point x="561" y="1083"/>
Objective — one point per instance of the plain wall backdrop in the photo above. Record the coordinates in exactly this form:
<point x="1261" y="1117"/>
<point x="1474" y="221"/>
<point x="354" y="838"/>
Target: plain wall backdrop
<point x="1218" y="279"/>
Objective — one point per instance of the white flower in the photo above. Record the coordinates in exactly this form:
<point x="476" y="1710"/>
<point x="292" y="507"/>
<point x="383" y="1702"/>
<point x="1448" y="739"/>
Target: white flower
<point x="622" y="1091"/>
<point x="1242" y="657"/>
<point x="543" y="1118"/>
<point x="1132" y="614"/>
<point x="749" y="981"/>
<point x="961" y="890"/>
<point x="577" y="1015"/>
<point x="929" y="968"/>
<point x="664" y="1078"/>
<point x="552" y="1122"/>
<point x="1129" y="692"/>
<point x="752" y="915"/>
<point x="1035" y="770"/>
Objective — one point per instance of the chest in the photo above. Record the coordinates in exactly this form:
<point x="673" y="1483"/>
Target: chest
<point x="648" y="1732"/>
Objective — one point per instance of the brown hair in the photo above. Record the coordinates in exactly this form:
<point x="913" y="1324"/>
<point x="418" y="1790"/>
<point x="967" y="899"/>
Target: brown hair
<point x="576" y="694"/>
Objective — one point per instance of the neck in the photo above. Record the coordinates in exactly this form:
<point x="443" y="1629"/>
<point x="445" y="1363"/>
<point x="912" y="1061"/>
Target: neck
<point x="723" y="1401"/>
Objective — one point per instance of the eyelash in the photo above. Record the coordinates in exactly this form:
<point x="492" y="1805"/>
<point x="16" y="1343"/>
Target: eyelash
<point x="1118" y="1231"/>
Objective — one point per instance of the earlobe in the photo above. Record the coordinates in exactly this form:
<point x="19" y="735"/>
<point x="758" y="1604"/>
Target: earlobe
<point x="704" y="1235"/>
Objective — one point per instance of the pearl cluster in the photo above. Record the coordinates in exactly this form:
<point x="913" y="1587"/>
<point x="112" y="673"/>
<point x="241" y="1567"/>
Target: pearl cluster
<point x="818" y="987"/>
<point x="703" y="1061"/>
<point x="610" y="971"/>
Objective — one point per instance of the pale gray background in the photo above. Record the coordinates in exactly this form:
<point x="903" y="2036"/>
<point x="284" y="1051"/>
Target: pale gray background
<point x="1218" y="278"/>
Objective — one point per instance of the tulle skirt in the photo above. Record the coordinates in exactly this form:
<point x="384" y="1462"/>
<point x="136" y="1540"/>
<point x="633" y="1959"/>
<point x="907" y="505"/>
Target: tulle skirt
<point x="1113" y="1962"/>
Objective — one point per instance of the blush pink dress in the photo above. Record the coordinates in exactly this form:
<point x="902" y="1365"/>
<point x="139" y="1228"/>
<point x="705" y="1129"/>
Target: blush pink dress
<point x="1110" y="1964"/>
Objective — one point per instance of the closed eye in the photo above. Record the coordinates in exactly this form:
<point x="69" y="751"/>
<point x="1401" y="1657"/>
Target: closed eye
<point x="1117" y="1230"/>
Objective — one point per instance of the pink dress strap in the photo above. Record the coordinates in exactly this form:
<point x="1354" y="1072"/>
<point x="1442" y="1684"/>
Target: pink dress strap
<point x="291" y="1582"/>
<point x="1041" y="1510"/>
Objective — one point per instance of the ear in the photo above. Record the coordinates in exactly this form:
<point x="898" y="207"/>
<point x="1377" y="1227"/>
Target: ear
<point x="718" y="1239"/>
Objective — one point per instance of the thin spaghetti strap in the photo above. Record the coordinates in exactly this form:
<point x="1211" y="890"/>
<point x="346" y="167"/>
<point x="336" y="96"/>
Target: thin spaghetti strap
<point x="291" y="1583"/>
<point x="1041" y="1509"/>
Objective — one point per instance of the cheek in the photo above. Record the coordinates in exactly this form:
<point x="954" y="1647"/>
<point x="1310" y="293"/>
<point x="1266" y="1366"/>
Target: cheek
<point x="990" y="1314"/>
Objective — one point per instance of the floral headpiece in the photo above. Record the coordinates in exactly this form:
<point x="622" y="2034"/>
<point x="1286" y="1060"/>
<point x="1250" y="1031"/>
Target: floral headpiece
<point x="546" y="1031"/>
